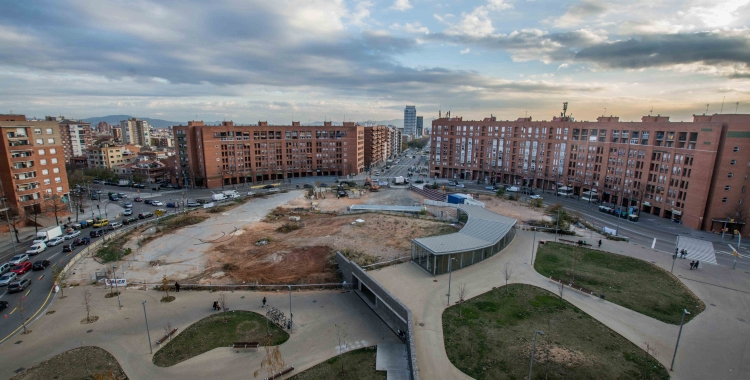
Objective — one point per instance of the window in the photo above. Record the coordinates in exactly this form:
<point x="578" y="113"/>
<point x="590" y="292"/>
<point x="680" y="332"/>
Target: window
<point x="39" y="141"/>
<point x="58" y="180"/>
<point x="41" y="152"/>
<point x="55" y="170"/>
<point x="45" y="171"/>
<point x="59" y="189"/>
<point x="732" y="162"/>
<point x="53" y="151"/>
<point x="49" y="131"/>
<point x="54" y="160"/>
<point x="46" y="181"/>
<point x="50" y="141"/>
<point x="37" y="131"/>
<point x="724" y="199"/>
<point x="43" y="162"/>
<point x="736" y="149"/>
<point x="730" y="175"/>
<point x="727" y="187"/>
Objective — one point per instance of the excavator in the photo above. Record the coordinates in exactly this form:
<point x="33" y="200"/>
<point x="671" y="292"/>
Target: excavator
<point x="372" y="185"/>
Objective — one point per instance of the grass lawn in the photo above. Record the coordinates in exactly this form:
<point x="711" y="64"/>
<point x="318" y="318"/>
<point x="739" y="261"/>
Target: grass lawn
<point x="358" y="364"/>
<point x="493" y="340"/>
<point x="214" y="331"/>
<point x="79" y="363"/>
<point x="626" y="281"/>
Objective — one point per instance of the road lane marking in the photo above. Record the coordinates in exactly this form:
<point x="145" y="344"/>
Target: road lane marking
<point x="14" y="309"/>
<point x="27" y="293"/>
<point x="32" y="317"/>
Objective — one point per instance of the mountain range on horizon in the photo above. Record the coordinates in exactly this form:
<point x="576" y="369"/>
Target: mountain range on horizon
<point x="160" y="123"/>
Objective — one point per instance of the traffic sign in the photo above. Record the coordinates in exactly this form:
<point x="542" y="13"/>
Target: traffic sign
<point x="158" y="212"/>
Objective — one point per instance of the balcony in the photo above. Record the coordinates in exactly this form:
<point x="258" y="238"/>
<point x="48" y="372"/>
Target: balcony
<point x="27" y="187"/>
<point x="18" y="143"/>
<point x="22" y="165"/>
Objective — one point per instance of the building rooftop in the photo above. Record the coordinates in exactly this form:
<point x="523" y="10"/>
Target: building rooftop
<point x="484" y="228"/>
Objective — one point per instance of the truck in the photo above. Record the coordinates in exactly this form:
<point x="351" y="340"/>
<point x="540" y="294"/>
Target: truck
<point x="231" y="194"/>
<point x="123" y="183"/>
<point x="218" y="197"/>
<point x="399" y="180"/>
<point x="48" y="233"/>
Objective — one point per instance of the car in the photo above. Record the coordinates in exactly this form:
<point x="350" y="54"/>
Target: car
<point x="157" y="203"/>
<point x="94" y="197"/>
<point x="82" y="241"/>
<point x="138" y="199"/>
<point x="8" y="278"/>
<point x="128" y="205"/>
<point x="268" y="186"/>
<point x="55" y="241"/>
<point x="139" y="186"/>
<point x="115" y="226"/>
<point x="307" y="186"/>
<point x="40" y="265"/>
<point x="419" y="181"/>
<point x="101" y="223"/>
<point x="69" y="247"/>
<point x="129" y="221"/>
<point x="171" y="204"/>
<point x="3" y="305"/>
<point x="97" y="181"/>
<point x="114" y="198"/>
<point x="96" y="233"/>
<point x="323" y="185"/>
<point x="274" y="190"/>
<point x="19" y="258"/>
<point x="4" y="268"/>
<point x="19" y="286"/>
<point x="145" y="215"/>
<point x="72" y="235"/>
<point x="201" y="201"/>
<point x="490" y="188"/>
<point x="536" y="197"/>
<point x="148" y="202"/>
<point x="36" y="249"/>
<point x="527" y="191"/>
<point x="22" y="268"/>
<point x="193" y="204"/>
<point x="460" y="185"/>
<point x="128" y="211"/>
<point x="342" y="193"/>
<point x="122" y="195"/>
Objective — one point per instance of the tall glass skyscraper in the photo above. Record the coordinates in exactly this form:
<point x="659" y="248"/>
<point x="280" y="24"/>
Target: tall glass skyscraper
<point x="420" y="127"/>
<point x="410" y="120"/>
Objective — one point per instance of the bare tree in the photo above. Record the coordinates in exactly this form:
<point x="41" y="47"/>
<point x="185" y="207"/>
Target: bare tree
<point x="54" y="204"/>
<point x="463" y="291"/>
<point x="341" y="334"/>
<point x="165" y="286"/>
<point x="273" y="363"/>
<point x="87" y="304"/>
<point x="21" y="309"/>
<point x="560" y="288"/>
<point x="60" y="277"/>
<point x="15" y="215"/>
<point x="224" y="303"/>
<point x="507" y="273"/>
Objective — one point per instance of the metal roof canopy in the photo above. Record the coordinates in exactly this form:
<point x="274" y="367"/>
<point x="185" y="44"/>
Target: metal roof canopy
<point x="483" y="229"/>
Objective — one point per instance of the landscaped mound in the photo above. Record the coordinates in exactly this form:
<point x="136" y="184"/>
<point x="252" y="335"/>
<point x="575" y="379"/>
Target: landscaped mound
<point x="493" y="340"/>
<point x="218" y="330"/>
<point x="626" y="281"/>
<point x="358" y="365"/>
<point x="79" y="363"/>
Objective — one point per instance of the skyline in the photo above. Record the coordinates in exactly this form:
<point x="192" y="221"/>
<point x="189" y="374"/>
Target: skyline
<point x="366" y="59"/>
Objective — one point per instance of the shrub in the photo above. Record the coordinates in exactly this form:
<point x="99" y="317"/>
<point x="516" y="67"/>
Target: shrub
<point x="500" y="192"/>
<point x="288" y="227"/>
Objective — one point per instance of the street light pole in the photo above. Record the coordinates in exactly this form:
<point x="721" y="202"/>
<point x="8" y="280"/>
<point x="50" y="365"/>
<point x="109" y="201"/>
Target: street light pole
<point x="147" y="332"/>
<point x="533" y="243"/>
<point x="450" y="273"/>
<point x="114" y="277"/>
<point x="676" y="250"/>
<point x="684" y="311"/>
<point x="291" y="316"/>
<point x="557" y="224"/>
<point x="533" y="348"/>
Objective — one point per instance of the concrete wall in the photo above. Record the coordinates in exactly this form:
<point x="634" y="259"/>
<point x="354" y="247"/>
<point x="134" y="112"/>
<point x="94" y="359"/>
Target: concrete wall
<point x="396" y="312"/>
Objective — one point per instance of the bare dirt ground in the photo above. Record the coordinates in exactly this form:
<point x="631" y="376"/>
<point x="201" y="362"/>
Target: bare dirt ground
<point x="327" y="201"/>
<point x="514" y="209"/>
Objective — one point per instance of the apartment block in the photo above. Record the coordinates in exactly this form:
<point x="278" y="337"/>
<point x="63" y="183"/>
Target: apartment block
<point x="76" y="137"/>
<point x="694" y="172"/>
<point x="32" y="163"/>
<point x="212" y="156"/>
<point x="106" y="156"/>
<point x="395" y="137"/>
<point x="136" y="131"/>
<point x="376" y="145"/>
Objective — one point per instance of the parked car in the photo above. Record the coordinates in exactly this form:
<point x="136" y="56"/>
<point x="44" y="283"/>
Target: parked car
<point x="490" y="188"/>
<point x="536" y="197"/>
<point x="274" y="190"/>
<point x="69" y="247"/>
<point x="157" y="203"/>
<point x="129" y="221"/>
<point x="72" y="235"/>
<point x="40" y="265"/>
<point x="307" y="186"/>
<point x="36" y="249"/>
<point x="139" y="186"/>
<point x="55" y="241"/>
<point x="145" y="215"/>
<point x="97" y="181"/>
<point x="460" y="185"/>
<point x="201" y="201"/>
<point x="8" y="278"/>
<point x="82" y="241"/>
<point x="3" y="305"/>
<point x="193" y="204"/>
<point x="96" y="233"/>
<point x="128" y="211"/>
<point x="22" y="268"/>
<point x="148" y="202"/>
<point x="19" y="286"/>
<point x="95" y="197"/>
<point x="268" y="186"/>
<point x="4" y="268"/>
<point x="19" y="258"/>
<point x="138" y="199"/>
<point x="323" y="185"/>
<point x="101" y="223"/>
<point x="171" y="204"/>
<point x="419" y="181"/>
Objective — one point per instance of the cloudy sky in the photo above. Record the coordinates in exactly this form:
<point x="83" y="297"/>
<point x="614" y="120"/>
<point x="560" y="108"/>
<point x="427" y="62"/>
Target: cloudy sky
<point x="306" y="60"/>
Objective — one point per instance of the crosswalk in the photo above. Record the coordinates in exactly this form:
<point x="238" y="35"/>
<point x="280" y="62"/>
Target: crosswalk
<point x="697" y="249"/>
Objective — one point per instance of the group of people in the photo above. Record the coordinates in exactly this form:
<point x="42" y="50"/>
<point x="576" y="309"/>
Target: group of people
<point x="694" y="264"/>
<point x="683" y="253"/>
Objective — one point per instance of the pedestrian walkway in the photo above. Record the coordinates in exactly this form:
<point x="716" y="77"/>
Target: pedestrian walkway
<point x="697" y="249"/>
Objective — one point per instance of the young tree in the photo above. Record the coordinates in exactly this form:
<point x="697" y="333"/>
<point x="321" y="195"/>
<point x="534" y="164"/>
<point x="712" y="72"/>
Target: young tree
<point x="21" y="309"/>
<point x="560" y="288"/>
<point x="463" y="291"/>
<point x="341" y="334"/>
<point x="15" y="216"/>
<point x="54" y="204"/>
<point x="60" y="277"/>
<point x="87" y="304"/>
<point x="507" y="273"/>
<point x="273" y="363"/>
<point x="224" y="303"/>
<point x="165" y="286"/>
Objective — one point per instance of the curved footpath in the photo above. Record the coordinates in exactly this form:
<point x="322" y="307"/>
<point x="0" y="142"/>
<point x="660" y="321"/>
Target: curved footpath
<point x="123" y="332"/>
<point x="713" y="345"/>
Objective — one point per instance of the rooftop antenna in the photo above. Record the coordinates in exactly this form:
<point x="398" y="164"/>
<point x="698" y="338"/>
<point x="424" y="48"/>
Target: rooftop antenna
<point x="737" y="105"/>
<point x="722" y="104"/>
<point x="565" y="109"/>
<point x="605" y="111"/>
<point x="652" y="111"/>
<point x="706" y="108"/>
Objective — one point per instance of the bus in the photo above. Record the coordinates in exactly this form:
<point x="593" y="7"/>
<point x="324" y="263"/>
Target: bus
<point x="565" y="191"/>
<point x="591" y="196"/>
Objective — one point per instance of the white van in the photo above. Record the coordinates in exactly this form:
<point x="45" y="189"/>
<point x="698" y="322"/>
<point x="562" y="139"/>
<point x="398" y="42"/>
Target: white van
<point x="513" y="189"/>
<point x="565" y="191"/>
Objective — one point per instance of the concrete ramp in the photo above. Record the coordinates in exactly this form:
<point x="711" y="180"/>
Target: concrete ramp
<point x="392" y="357"/>
<point x="697" y="249"/>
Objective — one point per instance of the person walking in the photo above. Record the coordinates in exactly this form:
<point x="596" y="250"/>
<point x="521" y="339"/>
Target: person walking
<point x="264" y="302"/>
<point x="697" y="263"/>
<point x="600" y="243"/>
<point x="692" y="264"/>
<point x="216" y="305"/>
<point x="177" y="286"/>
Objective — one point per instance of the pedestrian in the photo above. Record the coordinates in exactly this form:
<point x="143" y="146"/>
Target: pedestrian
<point x="600" y="243"/>
<point x="692" y="264"/>
<point x="697" y="263"/>
<point x="216" y="305"/>
<point x="177" y="286"/>
<point x="264" y="302"/>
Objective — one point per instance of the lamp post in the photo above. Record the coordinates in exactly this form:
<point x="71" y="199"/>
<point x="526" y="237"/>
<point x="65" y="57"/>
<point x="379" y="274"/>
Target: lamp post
<point x="114" y="277"/>
<point x="533" y="243"/>
<point x="450" y="273"/>
<point x="557" y="224"/>
<point x="533" y="348"/>
<point x="676" y="250"/>
<point x="684" y="311"/>
<point x="147" y="332"/>
<point x="291" y="316"/>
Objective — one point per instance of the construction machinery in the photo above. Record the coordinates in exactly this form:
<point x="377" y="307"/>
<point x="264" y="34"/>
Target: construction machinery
<point x="372" y="185"/>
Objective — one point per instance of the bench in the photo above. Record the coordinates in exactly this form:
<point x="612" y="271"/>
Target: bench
<point x="166" y="336"/>
<point x="278" y="375"/>
<point x="253" y="346"/>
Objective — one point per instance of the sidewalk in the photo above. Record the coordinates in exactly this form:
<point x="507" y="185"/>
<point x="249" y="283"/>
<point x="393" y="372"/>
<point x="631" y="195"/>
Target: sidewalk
<point x="123" y="332"/>
<point x="713" y="344"/>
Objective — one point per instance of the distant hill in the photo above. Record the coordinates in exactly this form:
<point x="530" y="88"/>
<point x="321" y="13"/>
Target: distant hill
<point x="115" y="120"/>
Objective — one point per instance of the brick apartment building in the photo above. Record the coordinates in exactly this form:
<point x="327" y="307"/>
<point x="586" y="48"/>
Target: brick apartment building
<point x="212" y="156"/>
<point x="376" y="145"/>
<point x="76" y="137"/>
<point x="32" y="164"/>
<point x="694" y="172"/>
